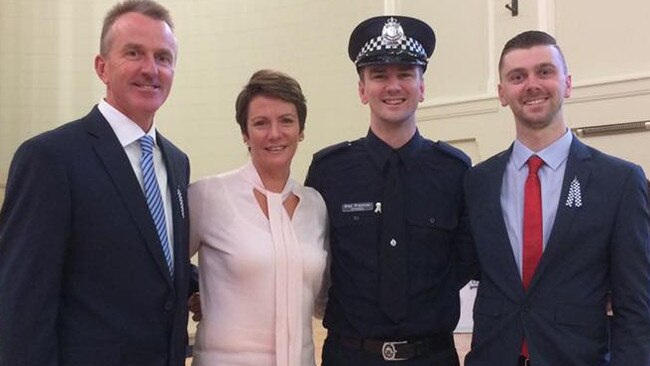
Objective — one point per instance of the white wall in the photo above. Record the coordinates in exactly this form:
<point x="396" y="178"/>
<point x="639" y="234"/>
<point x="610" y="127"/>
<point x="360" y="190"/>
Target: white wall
<point x="606" y="50"/>
<point x="47" y="49"/>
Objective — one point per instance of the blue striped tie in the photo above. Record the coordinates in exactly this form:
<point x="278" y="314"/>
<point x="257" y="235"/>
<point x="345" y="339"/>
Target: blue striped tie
<point x="154" y="199"/>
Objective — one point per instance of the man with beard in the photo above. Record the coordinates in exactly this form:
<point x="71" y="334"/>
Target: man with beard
<point x="558" y="226"/>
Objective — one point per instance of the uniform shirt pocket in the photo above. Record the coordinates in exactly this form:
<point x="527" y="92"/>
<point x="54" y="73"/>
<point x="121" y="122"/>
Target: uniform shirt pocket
<point x="430" y="234"/>
<point x="342" y="220"/>
<point x="359" y="230"/>
<point x="427" y="218"/>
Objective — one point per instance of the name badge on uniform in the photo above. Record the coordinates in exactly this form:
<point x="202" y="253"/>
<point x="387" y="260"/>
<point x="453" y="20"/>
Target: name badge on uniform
<point x="357" y="207"/>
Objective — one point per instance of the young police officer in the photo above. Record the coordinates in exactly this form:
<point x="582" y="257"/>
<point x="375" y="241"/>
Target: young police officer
<point x="400" y="243"/>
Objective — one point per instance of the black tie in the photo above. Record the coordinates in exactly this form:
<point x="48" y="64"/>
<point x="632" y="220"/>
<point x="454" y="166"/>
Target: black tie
<point x="392" y="245"/>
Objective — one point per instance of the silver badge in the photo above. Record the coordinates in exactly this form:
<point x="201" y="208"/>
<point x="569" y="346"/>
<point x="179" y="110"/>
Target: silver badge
<point x="392" y="32"/>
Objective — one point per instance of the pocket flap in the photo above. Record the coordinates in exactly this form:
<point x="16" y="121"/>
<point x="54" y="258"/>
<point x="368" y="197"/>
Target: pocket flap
<point x="579" y="315"/>
<point x="431" y="217"/>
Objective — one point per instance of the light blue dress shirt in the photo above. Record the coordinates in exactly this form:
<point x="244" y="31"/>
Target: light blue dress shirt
<point x="551" y="175"/>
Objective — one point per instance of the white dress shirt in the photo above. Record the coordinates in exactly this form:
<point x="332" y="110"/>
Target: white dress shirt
<point x="128" y="133"/>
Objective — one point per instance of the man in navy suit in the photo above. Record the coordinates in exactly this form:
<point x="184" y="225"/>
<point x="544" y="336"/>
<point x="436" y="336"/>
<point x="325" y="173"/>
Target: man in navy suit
<point x="86" y="276"/>
<point x="592" y="233"/>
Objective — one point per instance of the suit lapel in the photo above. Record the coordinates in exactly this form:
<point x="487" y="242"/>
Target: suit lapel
<point x="578" y="168"/>
<point x="511" y="279"/>
<point x="117" y="164"/>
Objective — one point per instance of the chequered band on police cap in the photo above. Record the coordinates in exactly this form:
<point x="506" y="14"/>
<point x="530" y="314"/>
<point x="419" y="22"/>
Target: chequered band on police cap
<point x="381" y="43"/>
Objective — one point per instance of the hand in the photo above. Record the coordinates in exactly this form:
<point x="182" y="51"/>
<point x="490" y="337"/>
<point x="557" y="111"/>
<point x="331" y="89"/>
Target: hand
<point x="194" y="305"/>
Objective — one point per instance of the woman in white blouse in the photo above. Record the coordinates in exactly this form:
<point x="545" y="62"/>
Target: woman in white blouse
<point x="261" y="239"/>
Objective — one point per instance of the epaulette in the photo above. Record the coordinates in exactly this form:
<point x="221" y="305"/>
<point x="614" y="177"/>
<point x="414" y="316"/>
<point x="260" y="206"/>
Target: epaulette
<point x="331" y="149"/>
<point x="453" y="152"/>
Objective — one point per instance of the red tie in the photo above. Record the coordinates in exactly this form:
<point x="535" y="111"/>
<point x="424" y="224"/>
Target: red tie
<point x="532" y="220"/>
<point x="532" y="225"/>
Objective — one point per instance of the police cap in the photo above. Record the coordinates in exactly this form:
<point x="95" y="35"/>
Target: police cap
<point x="391" y="39"/>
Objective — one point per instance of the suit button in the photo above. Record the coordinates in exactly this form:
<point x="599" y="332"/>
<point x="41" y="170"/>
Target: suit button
<point x="169" y="305"/>
<point x="526" y="307"/>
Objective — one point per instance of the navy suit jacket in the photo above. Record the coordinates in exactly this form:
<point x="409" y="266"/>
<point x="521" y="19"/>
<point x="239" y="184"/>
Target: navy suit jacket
<point x="83" y="280"/>
<point x="598" y="246"/>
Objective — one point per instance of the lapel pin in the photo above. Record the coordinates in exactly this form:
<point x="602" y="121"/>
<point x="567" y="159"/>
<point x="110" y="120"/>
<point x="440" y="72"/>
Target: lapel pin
<point x="575" y="196"/>
<point x="180" y="202"/>
<point x="378" y="207"/>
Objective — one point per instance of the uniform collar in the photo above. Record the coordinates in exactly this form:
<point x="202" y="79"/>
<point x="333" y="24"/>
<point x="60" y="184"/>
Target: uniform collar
<point x="379" y="150"/>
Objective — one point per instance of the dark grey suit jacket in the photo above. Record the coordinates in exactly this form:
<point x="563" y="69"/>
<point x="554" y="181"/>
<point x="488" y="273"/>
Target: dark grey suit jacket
<point x="597" y="246"/>
<point x="83" y="280"/>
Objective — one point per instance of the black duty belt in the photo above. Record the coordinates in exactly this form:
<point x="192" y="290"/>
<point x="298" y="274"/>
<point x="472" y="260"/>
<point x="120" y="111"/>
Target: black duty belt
<point x="399" y="350"/>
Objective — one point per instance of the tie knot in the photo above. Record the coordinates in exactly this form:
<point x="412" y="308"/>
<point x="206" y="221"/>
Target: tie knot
<point x="146" y="144"/>
<point x="534" y="163"/>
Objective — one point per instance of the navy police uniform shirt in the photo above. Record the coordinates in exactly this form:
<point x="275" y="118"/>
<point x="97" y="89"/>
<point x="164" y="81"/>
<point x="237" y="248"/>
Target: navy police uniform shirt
<point x="351" y="177"/>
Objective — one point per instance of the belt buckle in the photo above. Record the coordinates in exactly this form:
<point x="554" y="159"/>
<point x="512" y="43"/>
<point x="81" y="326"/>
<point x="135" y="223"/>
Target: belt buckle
<point x="389" y="351"/>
